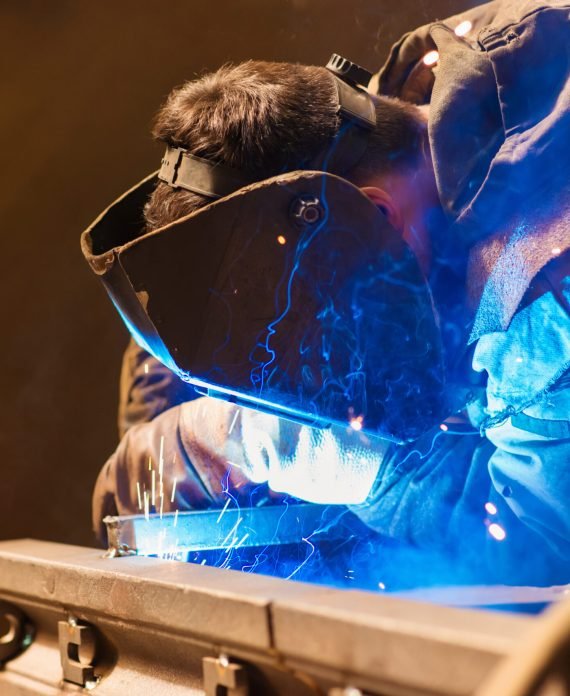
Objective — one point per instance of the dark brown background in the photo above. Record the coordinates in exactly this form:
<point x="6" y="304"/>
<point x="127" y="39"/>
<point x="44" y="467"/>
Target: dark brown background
<point x="80" y="83"/>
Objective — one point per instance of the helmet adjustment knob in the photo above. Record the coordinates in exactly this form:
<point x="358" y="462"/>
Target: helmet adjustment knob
<point x="307" y="210"/>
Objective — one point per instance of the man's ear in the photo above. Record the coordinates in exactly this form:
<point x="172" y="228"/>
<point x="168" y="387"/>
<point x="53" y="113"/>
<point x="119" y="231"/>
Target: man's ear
<point x="386" y="203"/>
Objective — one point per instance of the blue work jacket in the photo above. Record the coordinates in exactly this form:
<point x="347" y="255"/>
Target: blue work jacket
<point x="499" y="131"/>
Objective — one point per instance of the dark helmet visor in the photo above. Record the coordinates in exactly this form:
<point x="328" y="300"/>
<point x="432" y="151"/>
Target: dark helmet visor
<point x="293" y="295"/>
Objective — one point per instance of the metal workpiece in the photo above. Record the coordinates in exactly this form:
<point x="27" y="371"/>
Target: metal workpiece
<point x="161" y="627"/>
<point x="175" y="534"/>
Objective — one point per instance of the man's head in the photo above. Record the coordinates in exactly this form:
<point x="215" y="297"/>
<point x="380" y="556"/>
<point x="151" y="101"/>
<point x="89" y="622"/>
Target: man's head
<point x="267" y="118"/>
<point x="352" y="332"/>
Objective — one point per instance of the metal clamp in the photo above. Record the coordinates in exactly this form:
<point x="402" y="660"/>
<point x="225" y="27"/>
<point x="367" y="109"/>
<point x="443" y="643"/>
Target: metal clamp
<point x="220" y="672"/>
<point x="77" y="649"/>
<point x="16" y="631"/>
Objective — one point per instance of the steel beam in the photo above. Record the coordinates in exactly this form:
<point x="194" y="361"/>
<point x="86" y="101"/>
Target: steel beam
<point x="162" y="627"/>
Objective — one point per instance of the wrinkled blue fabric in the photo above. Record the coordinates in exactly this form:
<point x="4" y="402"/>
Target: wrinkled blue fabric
<point x="433" y="494"/>
<point x="527" y="360"/>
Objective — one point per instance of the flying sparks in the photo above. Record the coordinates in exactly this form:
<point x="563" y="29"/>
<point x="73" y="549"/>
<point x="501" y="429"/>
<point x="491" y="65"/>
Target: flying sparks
<point x="497" y="532"/>
<point x="431" y="58"/>
<point x="234" y="419"/>
<point x="356" y="423"/>
<point x="311" y="552"/>
<point x="463" y="28"/>
<point x="223" y="511"/>
<point x="161" y="457"/>
<point x="232" y="532"/>
<point x="242" y="540"/>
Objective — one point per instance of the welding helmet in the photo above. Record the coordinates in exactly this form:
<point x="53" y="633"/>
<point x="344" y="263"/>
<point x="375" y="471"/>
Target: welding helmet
<point x="293" y="295"/>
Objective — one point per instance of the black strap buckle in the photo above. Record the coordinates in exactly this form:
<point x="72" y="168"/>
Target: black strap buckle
<point x="180" y="169"/>
<point x="351" y="73"/>
<point x="170" y="164"/>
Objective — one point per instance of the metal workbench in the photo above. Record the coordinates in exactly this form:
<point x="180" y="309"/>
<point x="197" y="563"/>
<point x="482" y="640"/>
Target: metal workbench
<point x="136" y="625"/>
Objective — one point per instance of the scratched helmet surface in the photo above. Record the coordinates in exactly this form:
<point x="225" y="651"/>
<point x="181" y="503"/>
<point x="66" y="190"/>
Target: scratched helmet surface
<point x="293" y="295"/>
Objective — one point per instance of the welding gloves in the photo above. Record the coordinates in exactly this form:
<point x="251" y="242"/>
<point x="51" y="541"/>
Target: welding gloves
<point x="337" y="465"/>
<point x="177" y="461"/>
<point x="331" y="466"/>
<point x="195" y="455"/>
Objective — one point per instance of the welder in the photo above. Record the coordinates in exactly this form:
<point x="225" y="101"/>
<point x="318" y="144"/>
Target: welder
<point x="463" y="151"/>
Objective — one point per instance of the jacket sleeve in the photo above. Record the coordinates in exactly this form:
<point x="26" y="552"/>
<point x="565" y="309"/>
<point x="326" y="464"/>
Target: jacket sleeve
<point x="404" y="75"/>
<point x="124" y="485"/>
<point x="530" y="467"/>
<point x="427" y="493"/>
<point x="187" y="452"/>
<point x="434" y="494"/>
<point x="199" y="453"/>
<point x="438" y="496"/>
<point x="147" y="388"/>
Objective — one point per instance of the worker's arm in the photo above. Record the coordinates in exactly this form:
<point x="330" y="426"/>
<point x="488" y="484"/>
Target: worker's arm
<point x="438" y="495"/>
<point x="190" y="446"/>
<point x="528" y="404"/>
<point x="214" y="450"/>
<point x="405" y="75"/>
<point x="147" y="388"/>
<point x="433" y="494"/>
<point x="530" y="468"/>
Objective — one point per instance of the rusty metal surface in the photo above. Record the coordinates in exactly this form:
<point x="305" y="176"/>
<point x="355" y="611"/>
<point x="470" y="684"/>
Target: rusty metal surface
<point x="155" y="621"/>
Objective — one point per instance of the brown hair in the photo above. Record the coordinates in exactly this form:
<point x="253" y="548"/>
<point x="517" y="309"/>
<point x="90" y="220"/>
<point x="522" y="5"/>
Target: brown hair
<point x="267" y="118"/>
